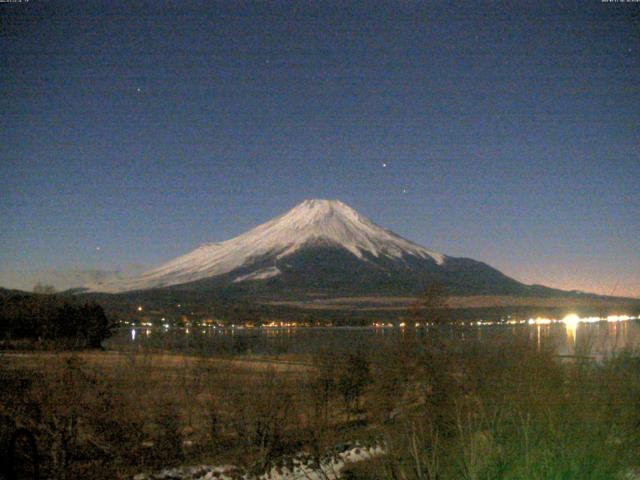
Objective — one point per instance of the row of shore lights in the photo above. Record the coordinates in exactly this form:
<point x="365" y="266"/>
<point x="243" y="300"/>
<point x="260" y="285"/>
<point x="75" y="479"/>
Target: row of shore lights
<point x="571" y="319"/>
<point x="141" y="308"/>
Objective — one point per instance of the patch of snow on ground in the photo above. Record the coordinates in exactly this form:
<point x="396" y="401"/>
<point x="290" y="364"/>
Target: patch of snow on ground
<point x="299" y="467"/>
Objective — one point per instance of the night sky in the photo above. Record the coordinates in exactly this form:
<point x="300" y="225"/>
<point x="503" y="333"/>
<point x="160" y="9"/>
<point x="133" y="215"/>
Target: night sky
<point x="508" y="132"/>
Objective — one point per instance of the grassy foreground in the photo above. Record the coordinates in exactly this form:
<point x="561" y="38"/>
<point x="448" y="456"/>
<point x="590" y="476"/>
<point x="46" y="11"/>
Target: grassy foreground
<point x="443" y="410"/>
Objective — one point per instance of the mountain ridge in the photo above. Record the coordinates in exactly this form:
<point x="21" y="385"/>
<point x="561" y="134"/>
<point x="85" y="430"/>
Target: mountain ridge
<point x="320" y="246"/>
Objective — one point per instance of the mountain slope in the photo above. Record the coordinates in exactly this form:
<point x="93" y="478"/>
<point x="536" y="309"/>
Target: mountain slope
<point x="319" y="246"/>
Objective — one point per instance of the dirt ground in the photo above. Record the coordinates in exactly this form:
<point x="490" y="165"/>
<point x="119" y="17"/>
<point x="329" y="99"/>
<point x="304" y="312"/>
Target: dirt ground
<point x="153" y="360"/>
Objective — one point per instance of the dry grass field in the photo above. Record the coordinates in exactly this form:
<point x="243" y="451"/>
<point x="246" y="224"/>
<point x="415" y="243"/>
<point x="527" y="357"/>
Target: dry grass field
<point x="112" y="414"/>
<point x="443" y="410"/>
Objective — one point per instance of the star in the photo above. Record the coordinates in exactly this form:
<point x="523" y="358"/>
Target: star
<point x="404" y="190"/>
<point x="97" y="249"/>
<point x="139" y="90"/>
<point x="384" y="165"/>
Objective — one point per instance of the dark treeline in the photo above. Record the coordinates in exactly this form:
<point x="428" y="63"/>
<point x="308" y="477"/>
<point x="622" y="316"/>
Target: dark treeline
<point x="52" y="318"/>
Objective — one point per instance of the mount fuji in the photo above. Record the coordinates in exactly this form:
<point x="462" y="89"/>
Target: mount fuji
<point x="319" y="247"/>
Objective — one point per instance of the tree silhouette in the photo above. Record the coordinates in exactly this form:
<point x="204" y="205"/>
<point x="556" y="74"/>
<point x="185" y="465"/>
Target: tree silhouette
<point x="431" y="306"/>
<point x="44" y="289"/>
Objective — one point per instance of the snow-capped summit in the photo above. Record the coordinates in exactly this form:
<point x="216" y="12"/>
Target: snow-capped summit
<point x="336" y="223"/>
<point x="311" y="223"/>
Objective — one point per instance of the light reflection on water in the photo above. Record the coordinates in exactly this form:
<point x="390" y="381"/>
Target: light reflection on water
<point x="572" y="329"/>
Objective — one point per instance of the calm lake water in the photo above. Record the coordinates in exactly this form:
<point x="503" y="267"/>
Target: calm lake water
<point x="569" y="337"/>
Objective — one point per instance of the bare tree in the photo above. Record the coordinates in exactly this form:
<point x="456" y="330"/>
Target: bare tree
<point x="431" y="306"/>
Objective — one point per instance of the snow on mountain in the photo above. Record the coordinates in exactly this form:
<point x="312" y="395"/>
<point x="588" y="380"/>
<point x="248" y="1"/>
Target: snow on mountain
<point x="259" y="274"/>
<point x="311" y="222"/>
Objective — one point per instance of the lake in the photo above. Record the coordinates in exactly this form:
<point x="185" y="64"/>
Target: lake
<point x="568" y="336"/>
